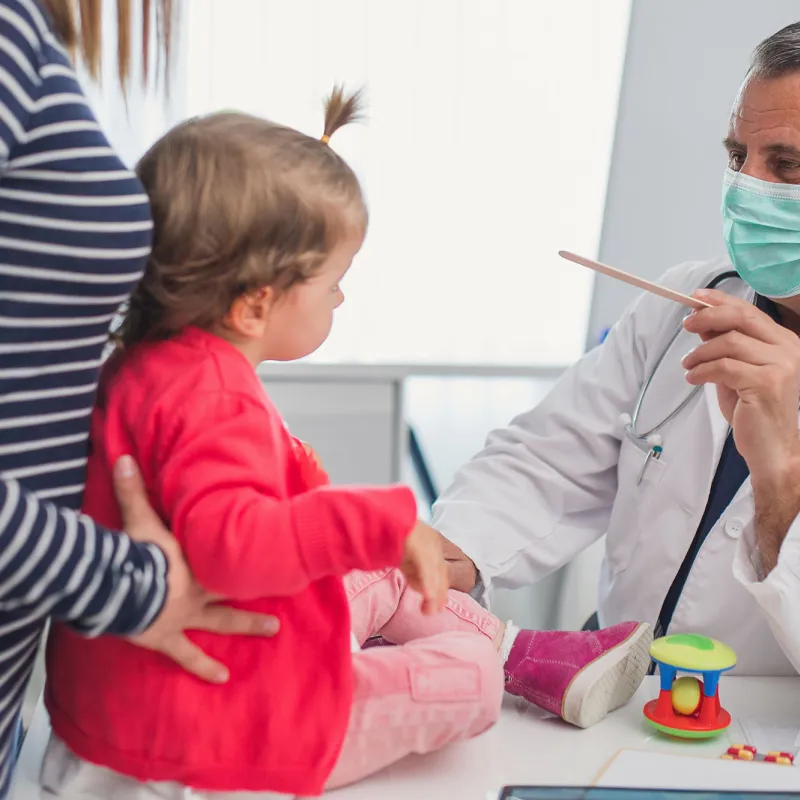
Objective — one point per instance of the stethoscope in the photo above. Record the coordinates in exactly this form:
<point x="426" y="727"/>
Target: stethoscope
<point x="650" y="442"/>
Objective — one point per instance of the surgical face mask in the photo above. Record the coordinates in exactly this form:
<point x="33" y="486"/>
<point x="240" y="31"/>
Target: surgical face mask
<point x="761" y="226"/>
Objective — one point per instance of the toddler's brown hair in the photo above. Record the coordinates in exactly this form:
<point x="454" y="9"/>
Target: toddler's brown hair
<point x="238" y="203"/>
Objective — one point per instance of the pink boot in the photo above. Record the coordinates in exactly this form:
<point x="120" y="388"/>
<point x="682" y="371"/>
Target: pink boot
<point x="579" y="676"/>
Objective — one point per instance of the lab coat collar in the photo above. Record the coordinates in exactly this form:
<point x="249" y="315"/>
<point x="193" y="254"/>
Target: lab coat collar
<point x="718" y="425"/>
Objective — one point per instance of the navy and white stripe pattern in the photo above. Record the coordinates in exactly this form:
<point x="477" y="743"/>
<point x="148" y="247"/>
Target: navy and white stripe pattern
<point x="75" y="231"/>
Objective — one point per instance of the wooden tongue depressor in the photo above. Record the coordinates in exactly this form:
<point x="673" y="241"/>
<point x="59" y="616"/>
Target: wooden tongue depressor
<point x="640" y="283"/>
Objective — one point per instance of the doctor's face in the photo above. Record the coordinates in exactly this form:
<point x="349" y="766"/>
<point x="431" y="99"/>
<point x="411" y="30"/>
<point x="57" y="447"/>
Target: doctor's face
<point x="764" y="132"/>
<point x="763" y="138"/>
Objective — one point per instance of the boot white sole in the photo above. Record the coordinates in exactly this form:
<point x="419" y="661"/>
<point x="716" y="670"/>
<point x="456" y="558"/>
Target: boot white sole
<point x="609" y="681"/>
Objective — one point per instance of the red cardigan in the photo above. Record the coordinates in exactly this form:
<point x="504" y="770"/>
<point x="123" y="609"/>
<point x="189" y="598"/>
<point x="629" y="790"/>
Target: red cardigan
<point x="245" y="502"/>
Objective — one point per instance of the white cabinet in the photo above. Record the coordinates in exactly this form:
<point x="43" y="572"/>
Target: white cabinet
<point x="355" y="426"/>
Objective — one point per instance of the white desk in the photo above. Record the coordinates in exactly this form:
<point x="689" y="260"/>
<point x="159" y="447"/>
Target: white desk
<point x="526" y="747"/>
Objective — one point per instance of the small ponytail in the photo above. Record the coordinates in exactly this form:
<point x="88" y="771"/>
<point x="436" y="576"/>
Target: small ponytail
<point x="341" y="110"/>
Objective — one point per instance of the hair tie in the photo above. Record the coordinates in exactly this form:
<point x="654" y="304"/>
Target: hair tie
<point x="325" y="138"/>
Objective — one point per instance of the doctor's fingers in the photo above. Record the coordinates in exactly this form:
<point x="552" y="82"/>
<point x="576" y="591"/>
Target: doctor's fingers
<point x="735" y="375"/>
<point x="744" y="317"/>
<point x="719" y="298"/>
<point x="737" y="346"/>
<point x="768" y="382"/>
<point x="451" y="552"/>
<point x="462" y="575"/>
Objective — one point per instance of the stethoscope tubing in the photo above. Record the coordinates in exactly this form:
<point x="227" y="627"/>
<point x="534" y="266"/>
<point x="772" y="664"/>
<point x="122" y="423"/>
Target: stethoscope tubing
<point x="648" y="440"/>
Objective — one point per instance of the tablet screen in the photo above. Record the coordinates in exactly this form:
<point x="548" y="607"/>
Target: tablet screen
<point x="567" y="793"/>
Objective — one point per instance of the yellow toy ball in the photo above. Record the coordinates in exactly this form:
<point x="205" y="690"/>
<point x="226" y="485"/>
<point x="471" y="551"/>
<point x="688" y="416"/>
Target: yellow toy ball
<point x="686" y="694"/>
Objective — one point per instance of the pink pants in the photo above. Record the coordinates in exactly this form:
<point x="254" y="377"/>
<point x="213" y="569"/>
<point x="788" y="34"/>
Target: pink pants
<point x="443" y="685"/>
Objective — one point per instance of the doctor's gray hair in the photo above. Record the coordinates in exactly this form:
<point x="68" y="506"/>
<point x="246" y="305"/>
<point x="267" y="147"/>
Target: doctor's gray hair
<point x="778" y="54"/>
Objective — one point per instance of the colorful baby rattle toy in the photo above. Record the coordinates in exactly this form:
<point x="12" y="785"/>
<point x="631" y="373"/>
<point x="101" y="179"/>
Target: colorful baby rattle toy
<point x="688" y="707"/>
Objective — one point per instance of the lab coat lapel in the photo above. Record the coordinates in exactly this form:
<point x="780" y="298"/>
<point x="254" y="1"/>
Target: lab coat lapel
<point x="717" y="424"/>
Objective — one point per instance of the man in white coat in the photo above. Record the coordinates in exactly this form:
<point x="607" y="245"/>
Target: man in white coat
<point x="703" y="535"/>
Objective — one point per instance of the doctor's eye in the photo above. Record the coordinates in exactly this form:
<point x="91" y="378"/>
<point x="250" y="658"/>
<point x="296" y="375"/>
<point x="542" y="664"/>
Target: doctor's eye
<point x="736" y="161"/>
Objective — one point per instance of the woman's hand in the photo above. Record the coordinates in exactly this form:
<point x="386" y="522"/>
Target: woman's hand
<point x="188" y="606"/>
<point x="425" y="568"/>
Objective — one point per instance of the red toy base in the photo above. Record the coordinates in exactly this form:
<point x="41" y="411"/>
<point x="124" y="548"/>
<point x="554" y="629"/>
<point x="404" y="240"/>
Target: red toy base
<point x="678" y="723"/>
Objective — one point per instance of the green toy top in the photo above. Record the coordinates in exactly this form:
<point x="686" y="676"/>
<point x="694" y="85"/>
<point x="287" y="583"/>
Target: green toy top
<point x="690" y="651"/>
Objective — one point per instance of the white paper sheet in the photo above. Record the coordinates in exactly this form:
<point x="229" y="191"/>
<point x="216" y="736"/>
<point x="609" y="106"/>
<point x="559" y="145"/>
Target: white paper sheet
<point x="764" y="736"/>
<point x="642" y="768"/>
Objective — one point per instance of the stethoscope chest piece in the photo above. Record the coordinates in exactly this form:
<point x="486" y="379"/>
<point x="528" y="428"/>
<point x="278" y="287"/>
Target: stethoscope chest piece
<point x="651" y="445"/>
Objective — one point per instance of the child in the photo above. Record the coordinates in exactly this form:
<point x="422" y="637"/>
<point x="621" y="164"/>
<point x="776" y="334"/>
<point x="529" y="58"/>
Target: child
<point x="255" y="225"/>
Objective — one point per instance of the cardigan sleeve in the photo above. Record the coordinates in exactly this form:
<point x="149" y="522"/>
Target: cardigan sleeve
<point x="222" y="486"/>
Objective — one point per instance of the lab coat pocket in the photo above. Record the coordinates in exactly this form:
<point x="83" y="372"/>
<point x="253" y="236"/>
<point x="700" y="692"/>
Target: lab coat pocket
<point x="637" y="494"/>
<point x="638" y="470"/>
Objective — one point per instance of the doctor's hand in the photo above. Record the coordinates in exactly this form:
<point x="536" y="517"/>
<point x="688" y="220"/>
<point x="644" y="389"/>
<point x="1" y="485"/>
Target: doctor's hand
<point x="755" y="364"/>
<point x="461" y="569"/>
<point x="425" y="568"/>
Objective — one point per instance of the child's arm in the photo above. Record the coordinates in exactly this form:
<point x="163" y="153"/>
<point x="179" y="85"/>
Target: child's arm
<point x="219" y="486"/>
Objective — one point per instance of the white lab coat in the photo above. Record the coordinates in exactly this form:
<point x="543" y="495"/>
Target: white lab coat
<point x="563" y="474"/>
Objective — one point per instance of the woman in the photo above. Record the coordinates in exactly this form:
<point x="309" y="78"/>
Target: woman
<point x="74" y="235"/>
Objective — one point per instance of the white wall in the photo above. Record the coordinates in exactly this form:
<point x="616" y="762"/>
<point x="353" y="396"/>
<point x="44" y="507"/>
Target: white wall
<point x="134" y="122"/>
<point x="472" y="145"/>
<point x="685" y="61"/>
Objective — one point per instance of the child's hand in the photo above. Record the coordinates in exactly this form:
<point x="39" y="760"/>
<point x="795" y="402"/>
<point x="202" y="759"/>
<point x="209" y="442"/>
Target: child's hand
<point x="312" y="454"/>
<point x="425" y="568"/>
<point x="313" y="472"/>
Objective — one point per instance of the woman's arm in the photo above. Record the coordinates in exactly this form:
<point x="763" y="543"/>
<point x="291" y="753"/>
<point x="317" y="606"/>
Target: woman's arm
<point x="54" y="562"/>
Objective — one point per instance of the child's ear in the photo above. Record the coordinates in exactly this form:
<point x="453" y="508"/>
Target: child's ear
<point x="249" y="312"/>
